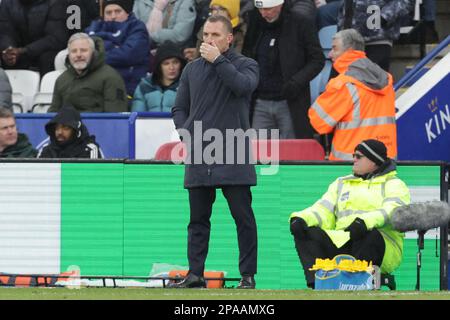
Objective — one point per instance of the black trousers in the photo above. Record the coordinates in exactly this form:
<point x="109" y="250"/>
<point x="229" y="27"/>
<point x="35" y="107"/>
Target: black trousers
<point x="317" y="244"/>
<point x="239" y="200"/>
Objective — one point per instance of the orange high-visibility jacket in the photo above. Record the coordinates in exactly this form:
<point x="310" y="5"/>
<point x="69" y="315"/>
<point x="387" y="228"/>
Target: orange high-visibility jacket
<point x="358" y="104"/>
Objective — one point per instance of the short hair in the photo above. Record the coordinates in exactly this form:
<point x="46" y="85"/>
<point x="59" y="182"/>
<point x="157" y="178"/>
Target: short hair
<point x="350" y="39"/>
<point x="225" y="21"/>
<point x="6" y="113"/>
<point x="82" y="35"/>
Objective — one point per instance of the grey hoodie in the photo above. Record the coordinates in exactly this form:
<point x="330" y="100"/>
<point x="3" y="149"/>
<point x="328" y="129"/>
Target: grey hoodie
<point x="5" y="90"/>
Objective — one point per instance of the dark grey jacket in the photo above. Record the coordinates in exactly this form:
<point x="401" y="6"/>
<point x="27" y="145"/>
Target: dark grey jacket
<point x="392" y="11"/>
<point x="5" y="90"/>
<point x="217" y="95"/>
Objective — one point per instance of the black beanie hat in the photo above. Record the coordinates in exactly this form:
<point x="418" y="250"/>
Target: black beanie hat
<point x="126" y="5"/>
<point x="374" y="150"/>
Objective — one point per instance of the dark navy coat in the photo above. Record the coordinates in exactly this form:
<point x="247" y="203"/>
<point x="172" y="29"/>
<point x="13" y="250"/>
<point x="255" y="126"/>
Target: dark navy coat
<point x="127" y="47"/>
<point x="217" y="97"/>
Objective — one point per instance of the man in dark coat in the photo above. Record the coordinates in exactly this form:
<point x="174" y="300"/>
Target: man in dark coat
<point x="32" y="33"/>
<point x="289" y="55"/>
<point x="69" y="137"/>
<point x="12" y="143"/>
<point x="213" y="98"/>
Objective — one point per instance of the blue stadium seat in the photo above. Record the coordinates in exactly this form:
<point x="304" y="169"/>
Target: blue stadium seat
<point x="319" y="83"/>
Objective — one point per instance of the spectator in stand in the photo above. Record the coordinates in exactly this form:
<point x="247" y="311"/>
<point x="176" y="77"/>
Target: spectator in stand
<point x="5" y="90"/>
<point x="89" y="84"/>
<point x="378" y="21"/>
<point x="32" y="33"/>
<point x="327" y="12"/>
<point x="157" y="91"/>
<point x="69" y="137"/>
<point x="12" y="143"/>
<point x="167" y="20"/>
<point x="359" y="103"/>
<point x="126" y="41"/>
<point x="230" y="10"/>
<point x="287" y="48"/>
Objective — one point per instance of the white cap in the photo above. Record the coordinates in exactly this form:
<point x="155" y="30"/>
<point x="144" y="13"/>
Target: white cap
<point x="267" y="3"/>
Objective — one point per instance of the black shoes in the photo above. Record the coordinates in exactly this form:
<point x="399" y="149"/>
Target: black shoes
<point x="191" y="281"/>
<point x="247" y="282"/>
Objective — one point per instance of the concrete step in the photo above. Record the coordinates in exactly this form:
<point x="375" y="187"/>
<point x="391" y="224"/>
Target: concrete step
<point x="442" y="18"/>
<point x="408" y="55"/>
<point x="412" y="51"/>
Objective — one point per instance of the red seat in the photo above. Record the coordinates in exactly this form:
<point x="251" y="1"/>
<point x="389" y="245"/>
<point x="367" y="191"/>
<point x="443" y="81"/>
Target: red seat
<point x="288" y="149"/>
<point x="171" y="151"/>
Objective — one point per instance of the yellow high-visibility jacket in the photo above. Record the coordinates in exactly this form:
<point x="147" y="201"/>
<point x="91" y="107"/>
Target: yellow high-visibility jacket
<point x="372" y="200"/>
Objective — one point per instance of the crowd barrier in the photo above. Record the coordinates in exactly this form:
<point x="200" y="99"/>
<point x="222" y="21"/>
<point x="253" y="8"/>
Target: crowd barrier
<point x="135" y="135"/>
<point x="123" y="217"/>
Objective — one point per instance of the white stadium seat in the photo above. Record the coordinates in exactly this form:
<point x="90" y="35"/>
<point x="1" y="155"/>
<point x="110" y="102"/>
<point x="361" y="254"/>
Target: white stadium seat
<point x="24" y="84"/>
<point x="43" y="99"/>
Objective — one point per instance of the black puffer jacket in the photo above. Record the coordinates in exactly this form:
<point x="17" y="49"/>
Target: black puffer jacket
<point x="37" y="25"/>
<point x="81" y="145"/>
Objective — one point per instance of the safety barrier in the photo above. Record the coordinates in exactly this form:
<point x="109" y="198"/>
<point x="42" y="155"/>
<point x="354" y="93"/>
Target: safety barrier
<point x="122" y="217"/>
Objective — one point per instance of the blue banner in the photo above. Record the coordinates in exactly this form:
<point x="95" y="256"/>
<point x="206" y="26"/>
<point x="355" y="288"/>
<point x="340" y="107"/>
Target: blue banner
<point x="424" y="130"/>
<point x="111" y="130"/>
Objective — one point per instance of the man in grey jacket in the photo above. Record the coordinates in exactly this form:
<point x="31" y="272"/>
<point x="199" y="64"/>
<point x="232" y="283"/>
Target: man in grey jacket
<point x="5" y="90"/>
<point x="213" y="98"/>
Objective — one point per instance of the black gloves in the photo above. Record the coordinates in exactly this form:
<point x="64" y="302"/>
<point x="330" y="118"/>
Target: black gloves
<point x="290" y="90"/>
<point x="357" y="229"/>
<point x="298" y="227"/>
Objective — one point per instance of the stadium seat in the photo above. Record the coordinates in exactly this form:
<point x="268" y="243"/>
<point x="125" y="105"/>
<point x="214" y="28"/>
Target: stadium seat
<point x="24" y="84"/>
<point x="289" y="149"/>
<point x="164" y="152"/>
<point x="319" y="83"/>
<point x="43" y="99"/>
<point x="60" y="60"/>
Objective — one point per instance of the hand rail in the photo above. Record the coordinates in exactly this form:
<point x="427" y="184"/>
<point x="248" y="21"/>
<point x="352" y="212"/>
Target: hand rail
<point x="422" y="63"/>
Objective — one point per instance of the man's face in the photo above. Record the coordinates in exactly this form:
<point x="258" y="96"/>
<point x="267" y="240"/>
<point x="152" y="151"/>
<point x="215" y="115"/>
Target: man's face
<point x="271" y="14"/>
<point x="362" y="165"/>
<point x="80" y="54"/>
<point x="8" y="132"/>
<point x="216" y="33"/>
<point x="63" y="133"/>
<point x="114" y="12"/>
<point x="337" y="49"/>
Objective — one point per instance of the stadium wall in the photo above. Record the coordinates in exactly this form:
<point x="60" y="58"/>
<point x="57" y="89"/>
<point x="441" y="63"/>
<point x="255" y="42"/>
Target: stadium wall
<point x="121" y="218"/>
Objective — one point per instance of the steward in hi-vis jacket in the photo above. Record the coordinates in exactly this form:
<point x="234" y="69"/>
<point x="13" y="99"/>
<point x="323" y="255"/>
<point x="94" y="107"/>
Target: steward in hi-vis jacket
<point x="358" y="104"/>
<point x="353" y="216"/>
